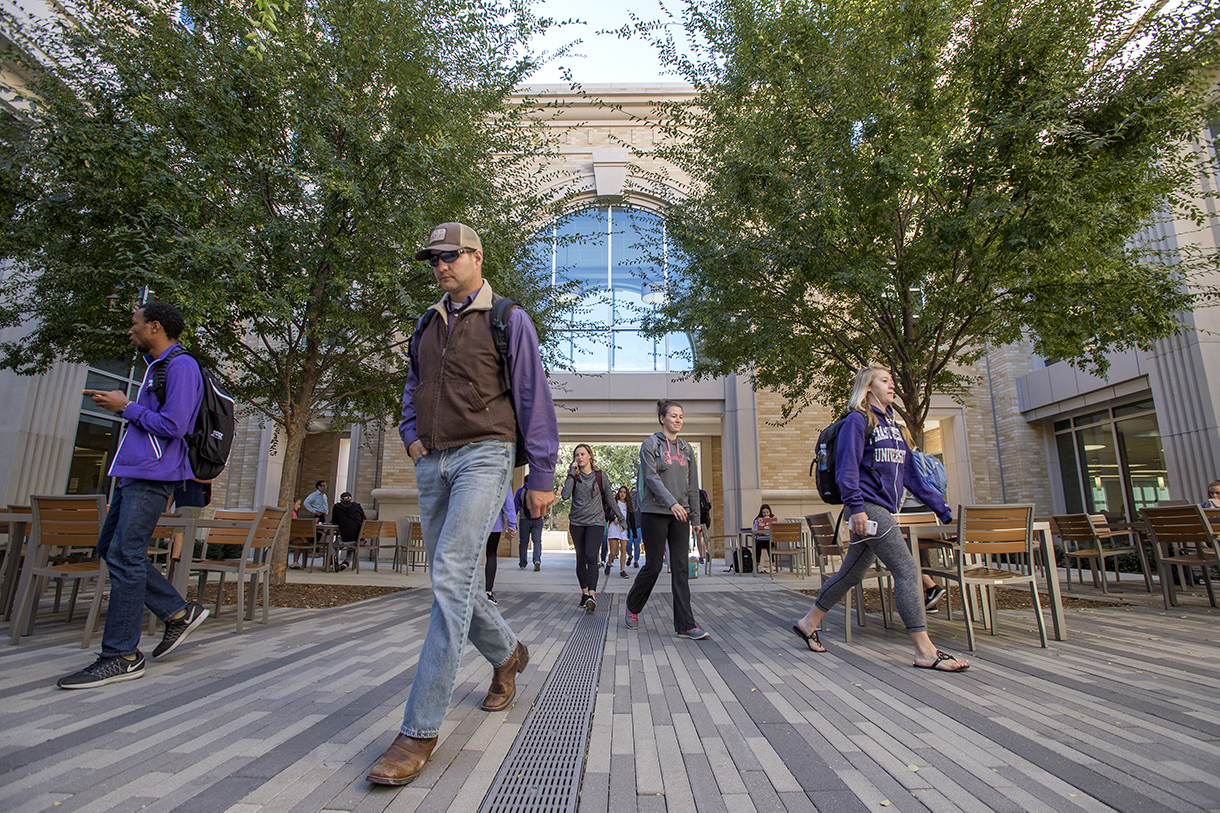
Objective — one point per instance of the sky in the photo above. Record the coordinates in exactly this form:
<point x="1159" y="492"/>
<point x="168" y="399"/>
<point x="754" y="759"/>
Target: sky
<point x="600" y="58"/>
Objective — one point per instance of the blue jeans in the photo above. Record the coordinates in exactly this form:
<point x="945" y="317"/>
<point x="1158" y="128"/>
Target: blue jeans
<point x="134" y="582"/>
<point x="530" y="529"/>
<point x="633" y="544"/>
<point x="461" y="491"/>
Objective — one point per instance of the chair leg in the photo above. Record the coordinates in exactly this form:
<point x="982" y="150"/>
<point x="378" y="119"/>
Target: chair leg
<point x="1033" y="589"/>
<point x="266" y="579"/>
<point x="72" y="599"/>
<point x="847" y="616"/>
<point x="241" y="600"/>
<point x="1139" y="547"/>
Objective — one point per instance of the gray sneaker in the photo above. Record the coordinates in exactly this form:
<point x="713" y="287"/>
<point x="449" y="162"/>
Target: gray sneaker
<point x="591" y="605"/>
<point x="104" y="671"/>
<point x="695" y="634"/>
<point x="633" y="620"/>
<point x="176" y="631"/>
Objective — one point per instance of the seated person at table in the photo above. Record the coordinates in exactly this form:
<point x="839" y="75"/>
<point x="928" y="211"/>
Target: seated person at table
<point x="348" y="516"/>
<point x="762" y="535"/>
<point x="1213" y="495"/>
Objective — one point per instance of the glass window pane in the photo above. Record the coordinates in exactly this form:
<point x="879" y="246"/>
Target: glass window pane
<point x="96" y="441"/>
<point x="1062" y="425"/>
<point x="580" y="251"/>
<point x="1099" y="466"/>
<point x="680" y="358"/>
<point x="636" y="242"/>
<point x="1133" y="409"/>
<point x="1070" y="473"/>
<point x="590" y="350"/>
<point x="1144" y="459"/>
<point x="633" y="351"/>
<point x="99" y="381"/>
<point x="1093" y="417"/>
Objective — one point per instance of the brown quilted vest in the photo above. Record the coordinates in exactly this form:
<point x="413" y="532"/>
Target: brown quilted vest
<point x="462" y="395"/>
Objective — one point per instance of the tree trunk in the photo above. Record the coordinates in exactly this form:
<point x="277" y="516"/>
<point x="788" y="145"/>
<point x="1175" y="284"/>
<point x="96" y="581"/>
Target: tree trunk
<point x="294" y="443"/>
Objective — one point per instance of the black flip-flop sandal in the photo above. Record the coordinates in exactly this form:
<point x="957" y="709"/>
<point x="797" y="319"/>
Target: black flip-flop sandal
<point x="943" y="656"/>
<point x="809" y="640"/>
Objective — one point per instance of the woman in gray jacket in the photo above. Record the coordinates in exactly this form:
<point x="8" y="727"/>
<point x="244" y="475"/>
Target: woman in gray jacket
<point x="668" y="504"/>
<point x="592" y="506"/>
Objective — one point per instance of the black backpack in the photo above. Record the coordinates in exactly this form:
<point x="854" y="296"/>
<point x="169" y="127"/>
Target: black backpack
<point x="822" y="469"/>
<point x="209" y="444"/>
<point x="500" y="311"/>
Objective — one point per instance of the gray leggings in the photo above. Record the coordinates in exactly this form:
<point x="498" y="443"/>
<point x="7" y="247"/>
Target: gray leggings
<point x="890" y="546"/>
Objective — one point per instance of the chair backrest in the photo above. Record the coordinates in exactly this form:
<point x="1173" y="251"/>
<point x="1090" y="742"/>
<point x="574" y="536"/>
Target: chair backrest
<point x="1213" y="517"/>
<point x="1179" y="525"/>
<point x="370" y="529"/>
<point x="417" y="534"/>
<point x="302" y="528"/>
<point x="266" y="523"/>
<point x="1075" y="527"/>
<point x="917" y="518"/>
<point x="166" y="531"/>
<point x="231" y="536"/>
<point x="19" y="509"/>
<point x="996" y="529"/>
<point x="822" y="527"/>
<point x="785" y="534"/>
<point x="71" y="521"/>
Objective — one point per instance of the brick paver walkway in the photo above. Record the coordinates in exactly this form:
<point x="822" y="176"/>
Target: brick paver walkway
<point x="289" y="716"/>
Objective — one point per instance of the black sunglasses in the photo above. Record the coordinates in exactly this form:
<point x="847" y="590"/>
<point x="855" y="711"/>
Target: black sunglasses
<point x="448" y="256"/>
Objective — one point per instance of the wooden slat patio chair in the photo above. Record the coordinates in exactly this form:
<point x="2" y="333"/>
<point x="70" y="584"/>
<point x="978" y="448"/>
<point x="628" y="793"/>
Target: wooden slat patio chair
<point x="303" y="539"/>
<point x="1184" y="538"/>
<point x="786" y="543"/>
<point x="827" y="546"/>
<point x="718" y="547"/>
<point x="1089" y="538"/>
<point x="69" y="523"/>
<point x="409" y="551"/>
<point x="12" y="570"/>
<point x="984" y="534"/>
<point x="372" y="531"/>
<point x="253" y="566"/>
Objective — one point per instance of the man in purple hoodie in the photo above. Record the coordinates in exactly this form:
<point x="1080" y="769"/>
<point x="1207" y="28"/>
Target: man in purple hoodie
<point x="150" y="463"/>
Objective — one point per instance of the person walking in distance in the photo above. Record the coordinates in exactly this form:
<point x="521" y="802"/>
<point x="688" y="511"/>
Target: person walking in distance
<point x="871" y="471"/>
<point x="529" y="528"/>
<point x="149" y="465"/>
<point x="668" y="504"/>
<point x="461" y="417"/>
<point x="506" y="523"/>
<point x="619" y="533"/>
<point x="592" y="507"/>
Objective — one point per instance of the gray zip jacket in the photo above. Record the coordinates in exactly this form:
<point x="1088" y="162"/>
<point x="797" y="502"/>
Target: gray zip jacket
<point x="668" y="475"/>
<point x="587" y="507"/>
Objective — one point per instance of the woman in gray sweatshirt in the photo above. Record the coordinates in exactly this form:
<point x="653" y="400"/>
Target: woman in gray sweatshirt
<point x="592" y="503"/>
<point x="668" y="505"/>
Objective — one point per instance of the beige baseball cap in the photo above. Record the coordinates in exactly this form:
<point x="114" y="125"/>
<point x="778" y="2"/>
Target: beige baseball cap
<point x="450" y="237"/>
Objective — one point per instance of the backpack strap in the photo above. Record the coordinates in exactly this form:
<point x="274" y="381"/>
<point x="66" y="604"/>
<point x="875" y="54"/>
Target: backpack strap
<point x="160" y="371"/>
<point x="420" y="327"/>
<point x="501" y="309"/>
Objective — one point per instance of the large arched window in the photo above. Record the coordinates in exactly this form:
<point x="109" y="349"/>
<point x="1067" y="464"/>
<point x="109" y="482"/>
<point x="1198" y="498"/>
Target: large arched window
<point x="610" y="253"/>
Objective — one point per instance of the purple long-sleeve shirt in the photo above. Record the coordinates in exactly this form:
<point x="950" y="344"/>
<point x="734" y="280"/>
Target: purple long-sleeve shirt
<point x="152" y="447"/>
<point x="509" y="513"/>
<point x="871" y="467"/>
<point x="531" y="393"/>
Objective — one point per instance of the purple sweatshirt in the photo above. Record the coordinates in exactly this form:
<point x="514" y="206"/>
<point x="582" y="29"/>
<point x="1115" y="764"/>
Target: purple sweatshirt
<point x="873" y="469"/>
<point x="153" y="448"/>
<point x="506" y="512"/>
<point x="531" y="397"/>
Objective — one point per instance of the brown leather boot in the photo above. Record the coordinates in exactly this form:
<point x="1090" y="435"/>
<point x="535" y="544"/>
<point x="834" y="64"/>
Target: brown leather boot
<point x="403" y="761"/>
<point x="504" y="681"/>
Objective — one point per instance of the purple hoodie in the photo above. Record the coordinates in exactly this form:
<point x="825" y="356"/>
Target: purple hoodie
<point x="153" y="448"/>
<point x="508" y="512"/>
<point x="873" y="469"/>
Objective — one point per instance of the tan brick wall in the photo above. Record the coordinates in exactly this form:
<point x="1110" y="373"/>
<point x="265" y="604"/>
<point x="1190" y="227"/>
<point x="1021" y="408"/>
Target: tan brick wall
<point x="235" y="486"/>
<point x="318" y="463"/>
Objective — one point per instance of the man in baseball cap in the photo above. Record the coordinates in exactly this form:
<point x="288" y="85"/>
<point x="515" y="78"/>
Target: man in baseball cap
<point x="450" y="237"/>
<point x="462" y="434"/>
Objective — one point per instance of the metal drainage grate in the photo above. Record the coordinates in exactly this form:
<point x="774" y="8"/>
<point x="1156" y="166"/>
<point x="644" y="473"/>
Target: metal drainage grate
<point x="543" y="770"/>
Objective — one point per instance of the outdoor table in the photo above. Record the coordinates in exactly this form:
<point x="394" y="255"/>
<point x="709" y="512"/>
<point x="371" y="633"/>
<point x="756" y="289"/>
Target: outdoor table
<point x="16" y="539"/>
<point x="326" y="538"/>
<point x="190" y="527"/>
<point x="1042" y="530"/>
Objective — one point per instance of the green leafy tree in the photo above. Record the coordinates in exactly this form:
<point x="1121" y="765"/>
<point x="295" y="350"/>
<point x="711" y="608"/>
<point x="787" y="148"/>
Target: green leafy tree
<point x="912" y="184"/>
<point x="274" y="193"/>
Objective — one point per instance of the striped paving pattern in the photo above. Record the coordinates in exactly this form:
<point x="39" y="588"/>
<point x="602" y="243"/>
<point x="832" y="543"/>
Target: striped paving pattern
<point x="289" y="717"/>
